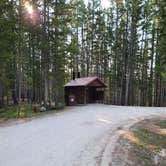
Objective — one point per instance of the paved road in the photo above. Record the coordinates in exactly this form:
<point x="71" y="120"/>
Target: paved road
<point x="76" y="137"/>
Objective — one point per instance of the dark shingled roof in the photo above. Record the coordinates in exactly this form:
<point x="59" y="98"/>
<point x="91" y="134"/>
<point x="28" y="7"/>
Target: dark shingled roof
<point x="84" y="81"/>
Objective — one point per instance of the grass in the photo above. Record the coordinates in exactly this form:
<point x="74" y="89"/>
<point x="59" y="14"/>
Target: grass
<point x="149" y="137"/>
<point x="142" y="152"/>
<point x="162" y="124"/>
<point x="23" y="111"/>
<point x="141" y="156"/>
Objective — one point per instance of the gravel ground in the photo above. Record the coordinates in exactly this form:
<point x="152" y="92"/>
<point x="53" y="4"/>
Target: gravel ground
<point x="80" y="136"/>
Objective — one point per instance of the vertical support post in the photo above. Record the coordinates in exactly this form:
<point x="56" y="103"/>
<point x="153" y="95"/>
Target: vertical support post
<point x="85" y="102"/>
<point x="104" y="97"/>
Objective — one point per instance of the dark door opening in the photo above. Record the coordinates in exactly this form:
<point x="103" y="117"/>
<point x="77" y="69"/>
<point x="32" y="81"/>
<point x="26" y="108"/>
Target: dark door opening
<point x="91" y="95"/>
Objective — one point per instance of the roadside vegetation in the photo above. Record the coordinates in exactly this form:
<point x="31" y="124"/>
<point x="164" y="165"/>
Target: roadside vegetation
<point x="144" y="145"/>
<point x="151" y="148"/>
<point x="26" y="111"/>
<point x="162" y="124"/>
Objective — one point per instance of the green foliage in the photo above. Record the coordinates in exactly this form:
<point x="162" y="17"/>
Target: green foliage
<point x="59" y="106"/>
<point x="11" y="112"/>
<point x="26" y="111"/>
<point x="149" y="137"/>
<point x="37" y="59"/>
<point x="162" y="124"/>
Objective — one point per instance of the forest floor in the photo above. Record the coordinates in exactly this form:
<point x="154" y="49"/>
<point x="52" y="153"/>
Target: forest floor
<point x="81" y="135"/>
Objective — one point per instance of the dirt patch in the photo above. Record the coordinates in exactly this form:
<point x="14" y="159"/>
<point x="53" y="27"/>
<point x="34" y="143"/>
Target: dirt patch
<point x="10" y="122"/>
<point x="143" y="144"/>
<point x="15" y="121"/>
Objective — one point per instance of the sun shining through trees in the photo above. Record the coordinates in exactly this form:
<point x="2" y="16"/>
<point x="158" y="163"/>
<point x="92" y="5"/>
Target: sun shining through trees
<point x="28" y="7"/>
<point x="32" y="13"/>
<point x="43" y="42"/>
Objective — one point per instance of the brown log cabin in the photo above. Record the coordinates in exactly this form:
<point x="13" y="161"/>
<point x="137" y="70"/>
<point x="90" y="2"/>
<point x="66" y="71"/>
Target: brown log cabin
<point x="84" y="90"/>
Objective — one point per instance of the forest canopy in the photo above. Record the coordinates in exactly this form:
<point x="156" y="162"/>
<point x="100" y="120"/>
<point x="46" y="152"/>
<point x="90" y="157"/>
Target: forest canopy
<point x="42" y="42"/>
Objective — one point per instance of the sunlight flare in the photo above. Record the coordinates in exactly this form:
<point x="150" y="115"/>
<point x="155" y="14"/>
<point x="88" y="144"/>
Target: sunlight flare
<point x="28" y="7"/>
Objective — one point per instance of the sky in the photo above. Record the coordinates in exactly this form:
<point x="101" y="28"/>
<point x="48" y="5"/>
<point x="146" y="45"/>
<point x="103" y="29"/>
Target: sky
<point x="104" y="3"/>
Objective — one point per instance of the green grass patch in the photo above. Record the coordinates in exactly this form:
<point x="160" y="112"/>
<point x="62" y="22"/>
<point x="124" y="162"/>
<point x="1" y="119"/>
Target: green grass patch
<point x="141" y="155"/>
<point x="140" y="152"/>
<point x="149" y="137"/>
<point x="24" y="111"/>
<point x="59" y="106"/>
<point x="162" y="124"/>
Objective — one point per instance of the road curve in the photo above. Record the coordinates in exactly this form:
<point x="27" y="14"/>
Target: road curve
<point x="78" y="136"/>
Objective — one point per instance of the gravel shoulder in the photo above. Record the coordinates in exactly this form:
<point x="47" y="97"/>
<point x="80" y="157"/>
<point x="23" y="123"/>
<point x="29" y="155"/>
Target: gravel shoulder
<point x="83" y="135"/>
